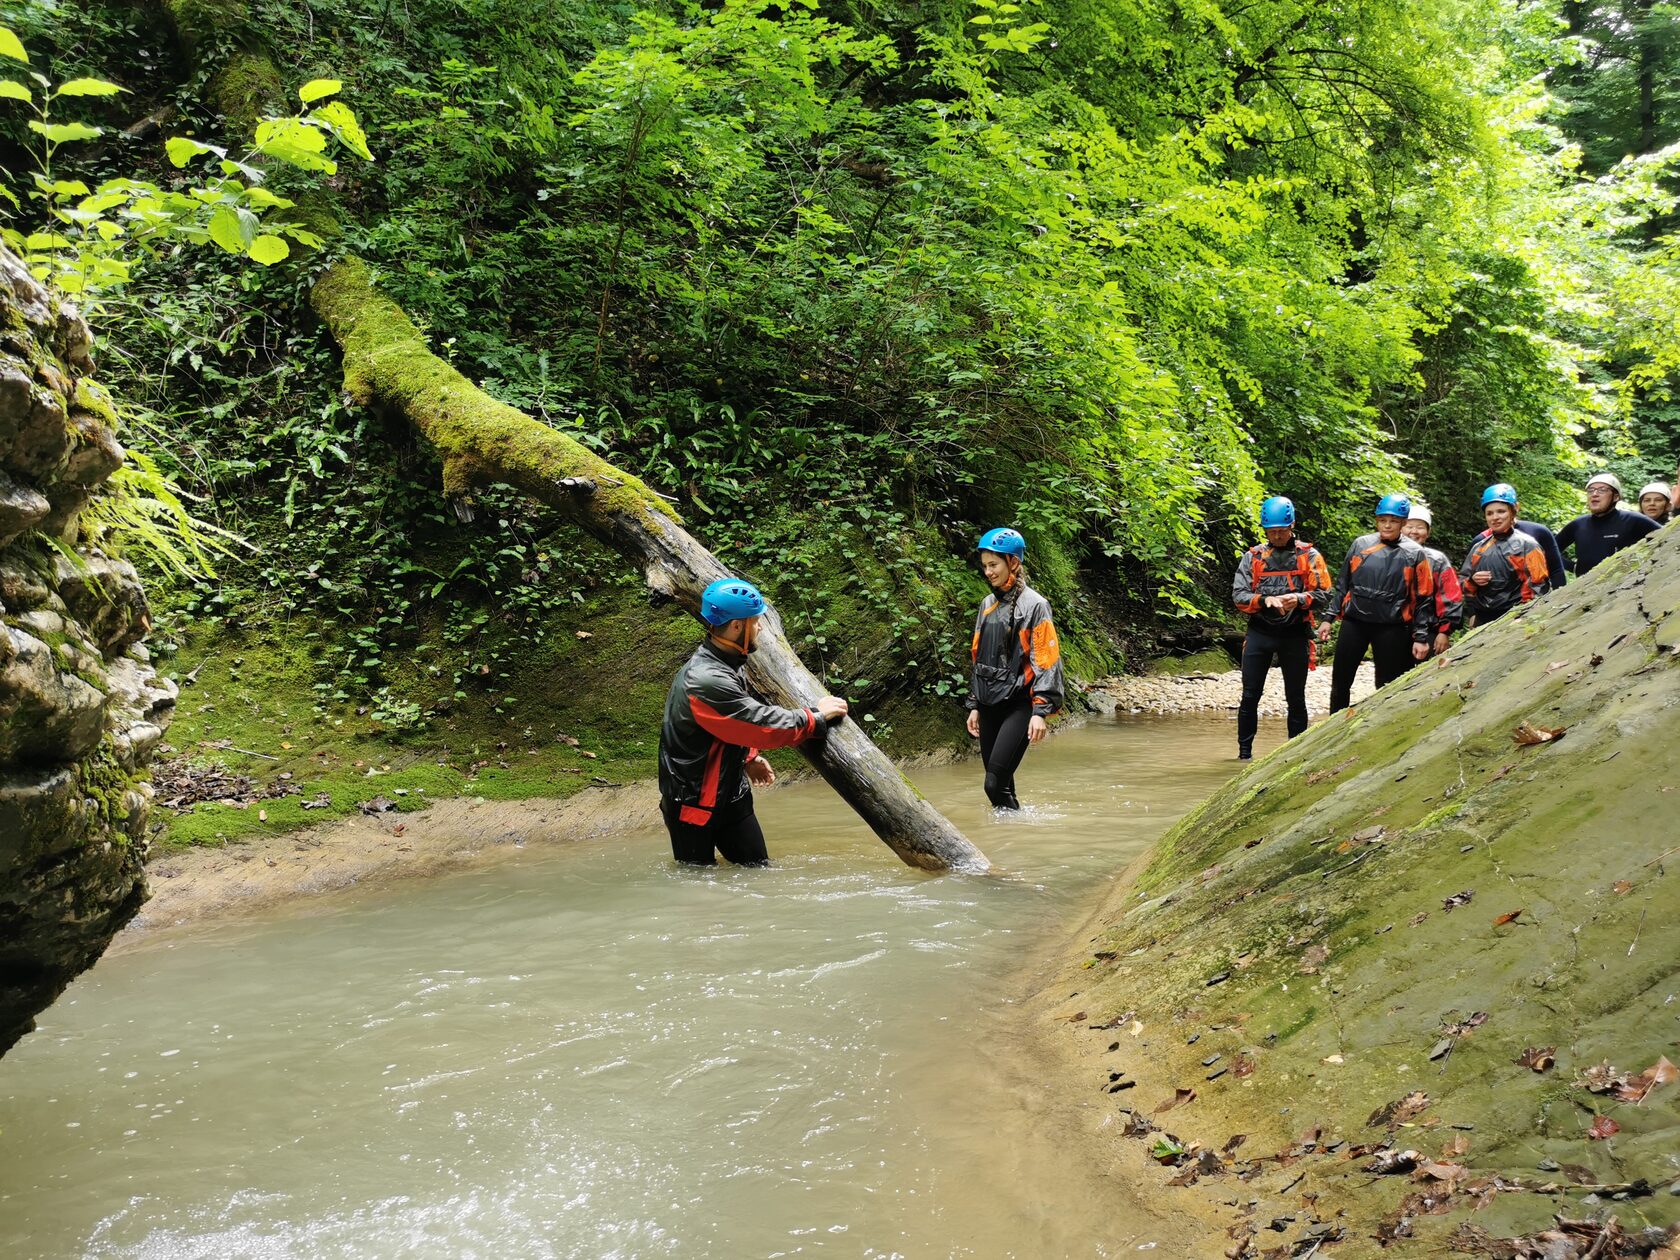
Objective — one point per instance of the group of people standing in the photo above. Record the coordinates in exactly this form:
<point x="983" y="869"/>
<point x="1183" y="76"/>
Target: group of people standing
<point x="1396" y="597"/>
<point x="1401" y="599"/>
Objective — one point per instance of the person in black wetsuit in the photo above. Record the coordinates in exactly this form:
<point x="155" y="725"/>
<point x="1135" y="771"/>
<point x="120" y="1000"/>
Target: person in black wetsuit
<point x="1016" y="679"/>
<point x="1280" y="584"/>
<point x="1606" y="528"/>
<point x="1385" y="600"/>
<point x="714" y="730"/>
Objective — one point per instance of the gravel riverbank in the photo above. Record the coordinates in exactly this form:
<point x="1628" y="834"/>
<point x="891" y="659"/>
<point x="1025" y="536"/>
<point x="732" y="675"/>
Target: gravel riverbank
<point x="1198" y="693"/>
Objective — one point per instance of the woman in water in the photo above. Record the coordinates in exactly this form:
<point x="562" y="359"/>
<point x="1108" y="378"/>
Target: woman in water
<point x="1016" y="681"/>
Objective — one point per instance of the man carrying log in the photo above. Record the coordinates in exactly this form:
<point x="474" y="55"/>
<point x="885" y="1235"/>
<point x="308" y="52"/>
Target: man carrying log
<point x="714" y="731"/>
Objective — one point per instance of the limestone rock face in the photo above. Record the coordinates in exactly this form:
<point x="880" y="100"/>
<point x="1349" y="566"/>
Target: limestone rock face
<point x="81" y="708"/>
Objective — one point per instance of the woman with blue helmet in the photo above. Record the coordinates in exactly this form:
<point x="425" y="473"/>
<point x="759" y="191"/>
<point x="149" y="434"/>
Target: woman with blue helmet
<point x="1505" y="568"/>
<point x="1385" y="600"/>
<point x="1282" y="584"/>
<point x="1016" y="677"/>
<point x="714" y="730"/>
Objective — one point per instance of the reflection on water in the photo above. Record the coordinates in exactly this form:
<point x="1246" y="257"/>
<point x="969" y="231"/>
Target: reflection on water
<point x="593" y="1053"/>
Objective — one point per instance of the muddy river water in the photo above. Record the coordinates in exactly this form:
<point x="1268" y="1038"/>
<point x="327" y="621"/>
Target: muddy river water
<point x="588" y="1052"/>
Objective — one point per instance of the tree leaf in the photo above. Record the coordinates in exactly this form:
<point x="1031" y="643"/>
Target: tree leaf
<point x="342" y="120"/>
<point x="63" y="133"/>
<point x="224" y="230"/>
<point x="182" y="150"/>
<point x="316" y="89"/>
<point x="10" y="91"/>
<point x="269" y="250"/>
<point x="11" y="46"/>
<point x="88" y="87"/>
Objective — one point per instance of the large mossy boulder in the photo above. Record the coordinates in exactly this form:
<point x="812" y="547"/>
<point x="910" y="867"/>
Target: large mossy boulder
<point x="80" y="706"/>
<point x="1445" y="921"/>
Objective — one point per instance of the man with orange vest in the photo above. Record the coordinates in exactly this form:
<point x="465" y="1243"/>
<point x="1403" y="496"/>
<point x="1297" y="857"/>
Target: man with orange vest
<point x="1385" y="600"/>
<point x="1505" y="568"/>
<point x="1280" y="584"/>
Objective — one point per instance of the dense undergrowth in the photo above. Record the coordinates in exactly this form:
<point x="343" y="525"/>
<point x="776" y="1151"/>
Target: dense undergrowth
<point x="850" y="282"/>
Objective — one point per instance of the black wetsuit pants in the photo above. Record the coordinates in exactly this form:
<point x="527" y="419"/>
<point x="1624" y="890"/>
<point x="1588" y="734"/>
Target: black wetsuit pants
<point x="1293" y="652"/>
<point x="1391" y="652"/>
<point x="1003" y="742"/>
<point x="733" y="832"/>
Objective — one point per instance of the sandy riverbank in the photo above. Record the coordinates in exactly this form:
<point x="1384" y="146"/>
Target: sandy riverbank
<point x="1199" y="693"/>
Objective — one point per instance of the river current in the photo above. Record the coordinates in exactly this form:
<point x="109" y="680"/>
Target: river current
<point x="589" y="1052"/>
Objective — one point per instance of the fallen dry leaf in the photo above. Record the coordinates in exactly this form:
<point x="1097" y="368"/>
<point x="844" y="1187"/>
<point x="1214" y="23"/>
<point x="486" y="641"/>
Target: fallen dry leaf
<point x="1528" y="734"/>
<point x="1538" y="1058"/>
<point x="1393" y="1162"/>
<point x="262" y="815"/>
<point x="1418" y="918"/>
<point x="1503" y="919"/>
<point x="1621" y="887"/>
<point x="1603" y="1127"/>
<point x="1243" y="1067"/>
<point x="1178" y="1099"/>
<point x="1636" y="1090"/>
<point x="1601" y="1078"/>
<point x="1400" y="1111"/>
<point x="584" y="634"/>
<point x="1449" y="904"/>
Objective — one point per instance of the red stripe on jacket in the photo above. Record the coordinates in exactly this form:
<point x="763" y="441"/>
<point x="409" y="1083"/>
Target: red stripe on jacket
<point x="748" y="734"/>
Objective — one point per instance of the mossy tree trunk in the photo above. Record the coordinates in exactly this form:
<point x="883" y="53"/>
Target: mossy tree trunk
<point x="388" y="365"/>
<point x="485" y="442"/>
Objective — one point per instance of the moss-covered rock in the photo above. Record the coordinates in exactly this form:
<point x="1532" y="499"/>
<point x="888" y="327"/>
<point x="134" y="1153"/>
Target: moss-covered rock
<point x="1473" y="864"/>
<point x="80" y="707"/>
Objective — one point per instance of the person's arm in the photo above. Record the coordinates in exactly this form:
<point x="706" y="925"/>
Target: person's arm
<point x="730" y="713"/>
<point x="970" y="703"/>
<point x="1554" y="558"/>
<point x="1423" y="603"/>
<point x="1044" y="652"/>
<point x="1449" y="606"/>
<point x="1534" y="568"/>
<point x="1566" y="538"/>
<point x="1243" y="595"/>
<point x="1318" y="583"/>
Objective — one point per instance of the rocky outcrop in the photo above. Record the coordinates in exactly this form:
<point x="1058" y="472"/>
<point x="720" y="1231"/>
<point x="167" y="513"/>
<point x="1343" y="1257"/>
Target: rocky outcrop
<point x="80" y="706"/>
<point x="1425" y="959"/>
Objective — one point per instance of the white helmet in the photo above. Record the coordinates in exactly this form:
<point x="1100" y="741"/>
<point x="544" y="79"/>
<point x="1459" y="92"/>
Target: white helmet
<point x="1421" y="513"/>
<point x="1657" y="487"/>
<point x="1605" y="479"/>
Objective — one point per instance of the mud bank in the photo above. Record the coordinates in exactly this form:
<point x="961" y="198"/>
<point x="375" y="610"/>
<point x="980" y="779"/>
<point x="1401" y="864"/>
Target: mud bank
<point x="1199" y="693"/>
<point x="1411" y="984"/>
<point x="195" y="885"/>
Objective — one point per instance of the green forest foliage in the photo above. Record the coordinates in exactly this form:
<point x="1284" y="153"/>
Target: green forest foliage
<point x="852" y="280"/>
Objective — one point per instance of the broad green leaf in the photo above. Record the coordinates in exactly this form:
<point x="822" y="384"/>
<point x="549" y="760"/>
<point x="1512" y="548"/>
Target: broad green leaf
<point x="63" y="133"/>
<point x="265" y="200"/>
<point x="109" y="231"/>
<point x="69" y="188"/>
<point x="224" y="230"/>
<point x="11" y="46"/>
<point x="342" y="119"/>
<point x="182" y="150"/>
<point x="88" y="87"/>
<point x="316" y="89"/>
<point x="269" y="250"/>
<point x="101" y="202"/>
<point x="10" y="91"/>
<point x="47" y="240"/>
<point x="305" y="237"/>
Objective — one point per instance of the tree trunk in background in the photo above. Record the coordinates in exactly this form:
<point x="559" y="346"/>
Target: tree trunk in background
<point x="483" y="442"/>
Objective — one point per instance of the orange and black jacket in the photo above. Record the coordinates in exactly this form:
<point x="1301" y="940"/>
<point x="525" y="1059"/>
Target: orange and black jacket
<point x="1449" y="594"/>
<point x="1016" y="652"/>
<point x="713" y="727"/>
<point x="1387" y="584"/>
<point x="1267" y="570"/>
<point x="1518" y="566"/>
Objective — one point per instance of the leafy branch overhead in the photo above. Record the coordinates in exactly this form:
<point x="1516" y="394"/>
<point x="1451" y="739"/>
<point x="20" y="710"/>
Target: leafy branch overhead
<point x="90" y="238"/>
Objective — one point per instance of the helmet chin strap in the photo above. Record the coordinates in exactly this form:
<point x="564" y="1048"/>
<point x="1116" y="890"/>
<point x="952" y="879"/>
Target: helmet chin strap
<point x="1009" y="577"/>
<point x="746" y="645"/>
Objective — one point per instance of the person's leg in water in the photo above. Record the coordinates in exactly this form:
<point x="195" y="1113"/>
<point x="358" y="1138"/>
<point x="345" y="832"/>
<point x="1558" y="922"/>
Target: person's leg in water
<point x="1391" y="650"/>
<point x="1003" y="742"/>
<point x="1351" y="642"/>
<point x="1294" y="655"/>
<point x="733" y="832"/>
<point x="1258" y="650"/>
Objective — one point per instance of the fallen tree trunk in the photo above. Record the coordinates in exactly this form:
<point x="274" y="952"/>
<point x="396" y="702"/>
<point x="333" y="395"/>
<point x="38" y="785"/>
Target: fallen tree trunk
<point x="387" y="365"/>
<point x="485" y="442"/>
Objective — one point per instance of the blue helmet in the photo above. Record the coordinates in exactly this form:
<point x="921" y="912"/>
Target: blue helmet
<point x="1503" y="492"/>
<point x="729" y="599"/>
<point x="1277" y="512"/>
<point x="1394" y="505"/>
<point x="1006" y="542"/>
